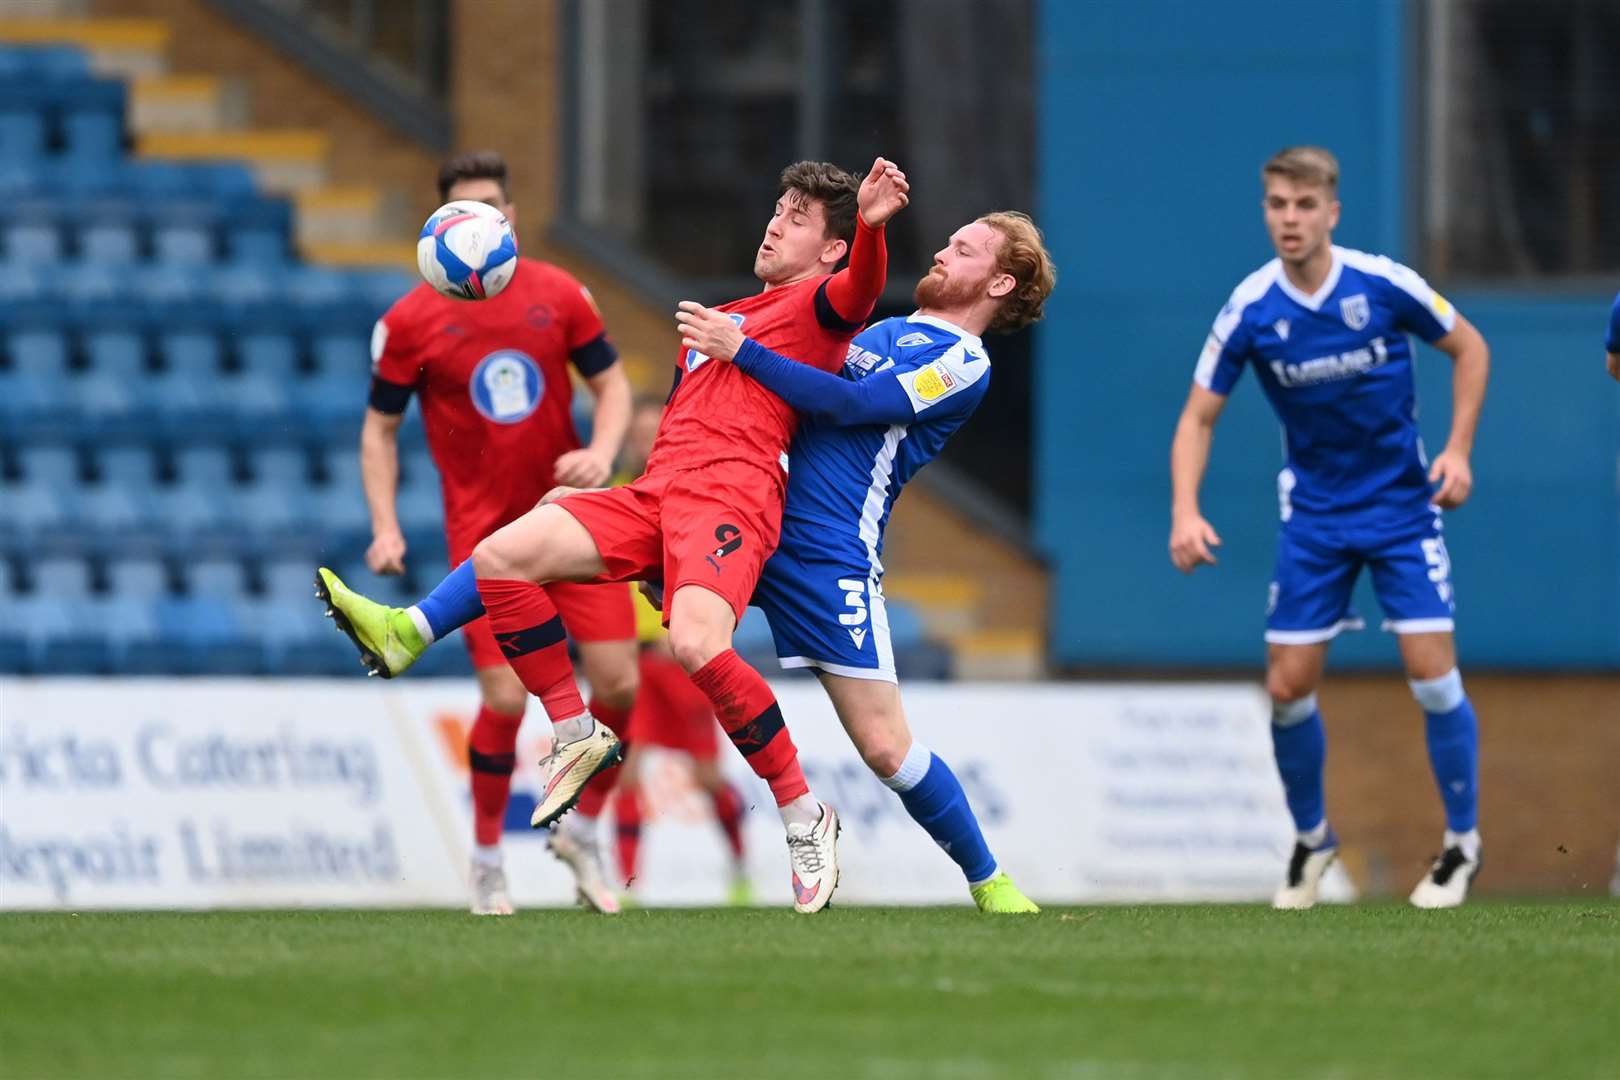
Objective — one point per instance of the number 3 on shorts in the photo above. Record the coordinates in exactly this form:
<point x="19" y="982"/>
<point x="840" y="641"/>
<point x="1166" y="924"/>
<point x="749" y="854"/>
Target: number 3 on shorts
<point x="1434" y="553"/>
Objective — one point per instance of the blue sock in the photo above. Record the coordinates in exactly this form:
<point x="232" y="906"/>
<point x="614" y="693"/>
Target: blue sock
<point x="454" y="602"/>
<point x="1300" y="744"/>
<point x="934" y="798"/>
<point x="1453" y="737"/>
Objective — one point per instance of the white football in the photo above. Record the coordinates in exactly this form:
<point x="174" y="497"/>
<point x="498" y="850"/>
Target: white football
<point x="467" y="250"/>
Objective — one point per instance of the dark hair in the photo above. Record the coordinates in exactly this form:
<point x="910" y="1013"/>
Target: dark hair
<point x="473" y="165"/>
<point x="832" y="187"/>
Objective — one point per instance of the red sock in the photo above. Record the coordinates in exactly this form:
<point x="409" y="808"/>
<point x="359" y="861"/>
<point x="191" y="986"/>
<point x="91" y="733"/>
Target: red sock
<point x="530" y="634"/>
<point x="596" y="792"/>
<point x="728" y="810"/>
<point x="748" y="712"/>
<point x="491" y="755"/>
<point x="627" y="815"/>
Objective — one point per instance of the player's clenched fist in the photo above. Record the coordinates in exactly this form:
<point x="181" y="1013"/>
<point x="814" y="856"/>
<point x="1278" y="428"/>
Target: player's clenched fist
<point x="583" y="468"/>
<point x="883" y="193"/>
<point x="1456" y="479"/>
<point x="712" y="333"/>
<point x="1191" y="541"/>
<point x="386" y="555"/>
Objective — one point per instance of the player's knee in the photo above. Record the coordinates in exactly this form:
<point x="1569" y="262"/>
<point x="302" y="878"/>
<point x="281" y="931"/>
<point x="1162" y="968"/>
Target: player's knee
<point x="506" y="700"/>
<point x="695" y="643"/>
<point x="884" y="754"/>
<point x="616" y="686"/>
<point x="489" y="561"/>
<point x="1286" y="687"/>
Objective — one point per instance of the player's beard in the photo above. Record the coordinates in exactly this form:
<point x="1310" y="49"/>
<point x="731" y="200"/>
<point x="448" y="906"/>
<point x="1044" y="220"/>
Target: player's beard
<point x="936" y="290"/>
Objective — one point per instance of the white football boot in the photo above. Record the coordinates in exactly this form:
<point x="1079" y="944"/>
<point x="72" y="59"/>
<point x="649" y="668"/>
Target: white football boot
<point x="489" y="895"/>
<point x="1305" y="869"/>
<point x="569" y="767"/>
<point x="574" y="842"/>
<point x="813" y="852"/>
<point x="1446" y="883"/>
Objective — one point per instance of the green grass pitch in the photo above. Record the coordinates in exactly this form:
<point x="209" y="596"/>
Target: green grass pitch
<point x="1492" y="990"/>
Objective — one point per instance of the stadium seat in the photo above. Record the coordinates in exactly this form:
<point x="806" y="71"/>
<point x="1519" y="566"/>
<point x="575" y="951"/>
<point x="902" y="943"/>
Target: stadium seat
<point x="35" y="510"/>
<point x="114" y="512"/>
<point x="31" y="406"/>
<point x="127" y="621"/>
<point x="127" y="467"/>
<point x="258" y="402"/>
<point x="109" y="243"/>
<point x="341" y="353"/>
<point x="290" y="581"/>
<point x="183" y="244"/>
<point x="39" y="352"/>
<point x="54" y="465"/>
<point x="93" y="135"/>
<point x="22" y="134"/>
<point x="272" y="354"/>
<point x="30" y="242"/>
<point x="208" y="468"/>
<point x="332" y="405"/>
<point x="192" y="353"/>
<point x="280" y="467"/>
<point x="143" y="580"/>
<point x="341" y="465"/>
<point x="271" y="512"/>
<point x="419" y="508"/>
<point x="120" y="353"/>
<point x="905" y="624"/>
<point x="342" y="511"/>
<point x="186" y="511"/>
<point x="220" y="578"/>
<point x="63" y="579"/>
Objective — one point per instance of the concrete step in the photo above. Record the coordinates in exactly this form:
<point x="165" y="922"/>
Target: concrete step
<point x="387" y="253"/>
<point x="1012" y="653"/>
<point x="343" y="215"/>
<point x="283" y="162"/>
<point x="186" y="104"/>
<point x="948" y="603"/>
<point x="121" y="48"/>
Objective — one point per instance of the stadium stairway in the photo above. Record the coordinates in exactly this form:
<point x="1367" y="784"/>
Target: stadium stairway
<point x="209" y="116"/>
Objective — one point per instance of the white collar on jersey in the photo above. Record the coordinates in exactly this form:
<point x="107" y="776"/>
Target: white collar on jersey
<point x="949" y="327"/>
<point x="1315" y="300"/>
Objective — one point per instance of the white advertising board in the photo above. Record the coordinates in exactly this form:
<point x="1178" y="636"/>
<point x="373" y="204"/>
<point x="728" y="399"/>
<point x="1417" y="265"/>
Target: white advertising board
<point x="259" y="793"/>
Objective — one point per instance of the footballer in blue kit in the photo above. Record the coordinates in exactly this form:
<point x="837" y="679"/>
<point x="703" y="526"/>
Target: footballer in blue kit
<point x="907" y="384"/>
<point x="1327" y="331"/>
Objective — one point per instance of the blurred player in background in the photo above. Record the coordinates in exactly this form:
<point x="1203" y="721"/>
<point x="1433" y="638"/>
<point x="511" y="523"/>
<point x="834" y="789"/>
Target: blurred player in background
<point x="493" y="378"/>
<point x="907" y="384"/>
<point x="669" y="712"/>
<point x="703" y="518"/>
<point x="1612" y="342"/>
<point x="1325" y="329"/>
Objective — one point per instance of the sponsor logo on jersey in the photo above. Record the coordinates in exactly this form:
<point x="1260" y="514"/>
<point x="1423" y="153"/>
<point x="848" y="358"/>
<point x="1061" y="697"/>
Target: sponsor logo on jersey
<point x="1281" y="326"/>
<point x="914" y="339"/>
<point x="858" y="637"/>
<point x="1356" y="311"/>
<point x="860" y="359"/>
<point x="933" y="382"/>
<point x="506" y="386"/>
<point x="695" y="359"/>
<point x="1323" y="369"/>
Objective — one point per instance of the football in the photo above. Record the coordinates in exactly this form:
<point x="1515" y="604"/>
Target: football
<point x="467" y="250"/>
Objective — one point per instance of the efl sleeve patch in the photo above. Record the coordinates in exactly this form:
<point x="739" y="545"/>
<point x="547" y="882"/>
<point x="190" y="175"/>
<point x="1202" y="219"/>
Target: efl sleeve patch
<point x="930" y="384"/>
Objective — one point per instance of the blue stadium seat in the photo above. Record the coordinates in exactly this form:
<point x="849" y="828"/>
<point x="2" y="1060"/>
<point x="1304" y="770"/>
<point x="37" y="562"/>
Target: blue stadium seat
<point x="318" y="286"/>
<point x="258" y="402"/>
<point x="256" y="245"/>
<point x="249" y="284"/>
<point x="49" y="63"/>
<point x="192" y="353"/>
<point x="342" y="511"/>
<point x="54" y="465"/>
<point x="290" y="581"/>
<point x="33" y="242"/>
<point x="127" y="467"/>
<point x="115" y="512"/>
<point x="905" y="624"/>
<point x="208" y="468"/>
<point x="271" y="511"/>
<point x="753" y="633"/>
<point x="39" y="352"/>
<point x="87" y="285"/>
<point x="109" y="243"/>
<point x="341" y="354"/>
<point x="419" y="508"/>
<point x="109" y="404"/>
<point x="220" y="578"/>
<point x="272" y="354"/>
<point x="284" y="468"/>
<point x="32" y="406"/>
<point x="185" y="407"/>
<point x="34" y="510"/>
<point x="342" y="467"/>
<point x="127" y="621"/>
<point x="187" y="511"/>
<point x="93" y="135"/>
<point x="53" y="638"/>
<point x="183" y="244"/>
<point x="144" y="579"/>
<point x="22" y="134"/>
<point x="63" y="579"/>
<point x="196" y="620"/>
<point x="117" y="352"/>
<point x="332" y="403"/>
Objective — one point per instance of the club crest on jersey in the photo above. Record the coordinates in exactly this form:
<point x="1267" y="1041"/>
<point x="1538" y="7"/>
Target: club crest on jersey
<point x="506" y="386"/>
<point x="695" y="359"/>
<point x="1281" y="326"/>
<point x="1357" y="314"/>
<point x="914" y="339"/>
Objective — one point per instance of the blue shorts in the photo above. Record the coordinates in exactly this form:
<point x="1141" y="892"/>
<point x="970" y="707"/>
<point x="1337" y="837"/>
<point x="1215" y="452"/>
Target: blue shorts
<point x="1317" y="570"/>
<point x="825" y="607"/>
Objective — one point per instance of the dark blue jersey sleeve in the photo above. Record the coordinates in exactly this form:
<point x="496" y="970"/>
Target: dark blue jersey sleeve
<point x="877" y="399"/>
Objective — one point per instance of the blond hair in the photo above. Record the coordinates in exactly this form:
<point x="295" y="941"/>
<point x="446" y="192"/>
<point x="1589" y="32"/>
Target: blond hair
<point x="1022" y="254"/>
<point x="1304" y="165"/>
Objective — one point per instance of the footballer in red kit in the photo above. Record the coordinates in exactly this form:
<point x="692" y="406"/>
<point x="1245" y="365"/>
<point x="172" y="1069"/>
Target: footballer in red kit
<point x="493" y="379"/>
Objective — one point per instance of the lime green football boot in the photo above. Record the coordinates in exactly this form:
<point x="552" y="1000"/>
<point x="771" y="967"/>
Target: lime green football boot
<point x="388" y="640"/>
<point x="999" y="896"/>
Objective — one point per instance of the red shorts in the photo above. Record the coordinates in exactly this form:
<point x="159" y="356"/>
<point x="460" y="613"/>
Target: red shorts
<point x="712" y="526"/>
<point x="589" y="613"/>
<point x="670" y="711"/>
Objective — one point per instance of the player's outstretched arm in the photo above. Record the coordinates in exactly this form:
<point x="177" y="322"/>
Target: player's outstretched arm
<point x="1191" y="537"/>
<point x="854" y="290"/>
<point x="877" y="399"/>
<point x="1471" y="367"/>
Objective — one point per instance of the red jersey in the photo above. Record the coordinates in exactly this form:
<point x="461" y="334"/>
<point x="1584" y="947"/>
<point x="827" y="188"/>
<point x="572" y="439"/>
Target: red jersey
<point x="493" y="379"/>
<point x="720" y="414"/>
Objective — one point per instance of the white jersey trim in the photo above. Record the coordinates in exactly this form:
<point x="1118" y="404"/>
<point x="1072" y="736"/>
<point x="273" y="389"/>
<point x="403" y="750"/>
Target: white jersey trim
<point x="949" y="327"/>
<point x="1314" y="300"/>
<point x="1420" y="626"/>
<point x="872" y="674"/>
<point x="1404" y="278"/>
<point x="1249" y="290"/>
<point x="1314" y="637"/>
